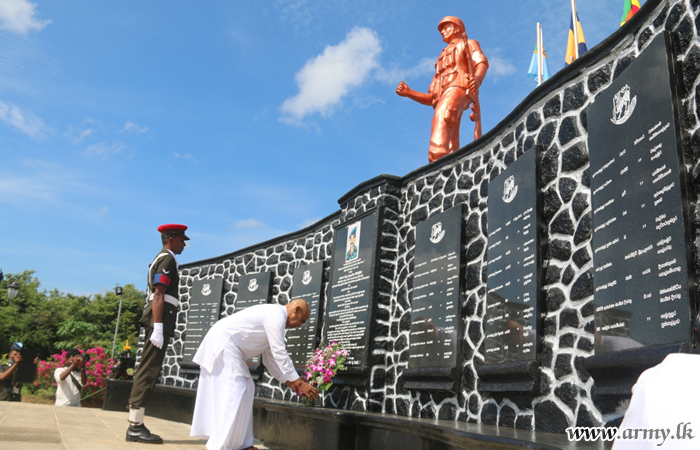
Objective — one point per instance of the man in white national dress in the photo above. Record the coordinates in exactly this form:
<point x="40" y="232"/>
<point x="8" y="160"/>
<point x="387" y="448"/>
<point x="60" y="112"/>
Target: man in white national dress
<point x="663" y="411"/>
<point x="223" y="410"/>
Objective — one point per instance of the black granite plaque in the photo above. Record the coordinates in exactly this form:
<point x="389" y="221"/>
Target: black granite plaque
<point x="435" y="298"/>
<point x="253" y="289"/>
<point x="307" y="284"/>
<point x="347" y="318"/>
<point x="203" y="312"/>
<point x="510" y="323"/>
<point x="639" y="236"/>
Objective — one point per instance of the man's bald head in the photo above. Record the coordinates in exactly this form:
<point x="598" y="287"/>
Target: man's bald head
<point x="298" y="313"/>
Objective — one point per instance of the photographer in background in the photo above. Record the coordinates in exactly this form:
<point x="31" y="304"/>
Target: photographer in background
<point x="10" y="388"/>
<point x="71" y="379"/>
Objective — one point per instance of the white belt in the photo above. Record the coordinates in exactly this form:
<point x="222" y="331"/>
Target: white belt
<point x="168" y="299"/>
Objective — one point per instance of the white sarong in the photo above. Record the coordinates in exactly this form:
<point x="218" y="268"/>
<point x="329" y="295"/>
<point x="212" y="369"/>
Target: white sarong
<point x="223" y="409"/>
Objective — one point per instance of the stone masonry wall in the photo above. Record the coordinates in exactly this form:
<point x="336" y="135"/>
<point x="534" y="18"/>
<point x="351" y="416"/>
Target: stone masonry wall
<point x="552" y="121"/>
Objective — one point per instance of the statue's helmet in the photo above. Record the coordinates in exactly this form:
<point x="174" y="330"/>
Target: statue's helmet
<point x="453" y="20"/>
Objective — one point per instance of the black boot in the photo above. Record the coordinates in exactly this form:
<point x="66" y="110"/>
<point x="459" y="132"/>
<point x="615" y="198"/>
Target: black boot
<point x="139" y="433"/>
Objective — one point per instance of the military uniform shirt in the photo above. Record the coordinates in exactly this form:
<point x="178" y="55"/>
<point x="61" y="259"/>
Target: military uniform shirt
<point x="10" y="390"/>
<point x="164" y="271"/>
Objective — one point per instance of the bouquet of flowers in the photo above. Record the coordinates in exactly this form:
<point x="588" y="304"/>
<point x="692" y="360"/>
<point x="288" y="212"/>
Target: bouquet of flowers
<point x="323" y="366"/>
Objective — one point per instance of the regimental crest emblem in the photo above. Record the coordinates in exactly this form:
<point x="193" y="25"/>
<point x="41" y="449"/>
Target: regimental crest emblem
<point x="206" y="289"/>
<point x="306" y="278"/>
<point x="510" y="189"/>
<point x="623" y="105"/>
<point x="437" y="233"/>
<point x="252" y="285"/>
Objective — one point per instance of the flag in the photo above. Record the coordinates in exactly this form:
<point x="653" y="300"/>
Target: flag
<point x="570" y="51"/>
<point x="631" y="7"/>
<point x="532" y="72"/>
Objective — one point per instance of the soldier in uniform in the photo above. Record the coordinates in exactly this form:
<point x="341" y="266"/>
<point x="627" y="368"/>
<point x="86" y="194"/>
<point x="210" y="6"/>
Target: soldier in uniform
<point x="159" y="319"/>
<point x="459" y="71"/>
<point x="10" y="388"/>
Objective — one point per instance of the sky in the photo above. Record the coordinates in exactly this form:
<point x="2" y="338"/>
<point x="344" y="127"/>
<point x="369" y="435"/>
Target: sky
<point x="242" y="120"/>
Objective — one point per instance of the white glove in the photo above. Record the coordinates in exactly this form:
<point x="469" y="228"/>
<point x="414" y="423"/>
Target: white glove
<point x="157" y="335"/>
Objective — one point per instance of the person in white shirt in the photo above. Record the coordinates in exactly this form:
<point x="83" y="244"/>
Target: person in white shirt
<point x="224" y="406"/>
<point x="70" y="380"/>
<point x="663" y="411"/>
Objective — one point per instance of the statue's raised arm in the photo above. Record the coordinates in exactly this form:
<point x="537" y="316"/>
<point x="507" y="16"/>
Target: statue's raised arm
<point x="459" y="71"/>
<point x="404" y="91"/>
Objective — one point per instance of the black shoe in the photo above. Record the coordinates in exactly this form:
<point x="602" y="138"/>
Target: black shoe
<point x="139" y="433"/>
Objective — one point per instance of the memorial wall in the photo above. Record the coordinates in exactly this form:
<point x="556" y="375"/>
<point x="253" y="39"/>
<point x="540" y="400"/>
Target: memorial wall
<point x="525" y="280"/>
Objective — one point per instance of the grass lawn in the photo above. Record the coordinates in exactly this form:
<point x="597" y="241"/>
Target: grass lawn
<point x="41" y="396"/>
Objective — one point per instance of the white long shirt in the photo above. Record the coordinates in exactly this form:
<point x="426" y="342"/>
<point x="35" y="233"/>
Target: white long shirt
<point x="665" y="398"/>
<point x="255" y="330"/>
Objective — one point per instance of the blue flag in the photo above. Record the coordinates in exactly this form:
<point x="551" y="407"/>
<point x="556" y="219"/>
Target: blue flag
<point x="532" y="73"/>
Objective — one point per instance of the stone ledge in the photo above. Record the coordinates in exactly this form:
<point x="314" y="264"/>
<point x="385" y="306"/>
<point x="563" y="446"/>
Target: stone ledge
<point x="285" y="425"/>
<point x="166" y="402"/>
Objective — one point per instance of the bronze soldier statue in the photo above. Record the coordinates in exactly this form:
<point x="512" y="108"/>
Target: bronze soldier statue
<point x="459" y="71"/>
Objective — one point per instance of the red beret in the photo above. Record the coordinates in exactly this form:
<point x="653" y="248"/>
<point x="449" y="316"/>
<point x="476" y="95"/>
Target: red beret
<point x="174" y="228"/>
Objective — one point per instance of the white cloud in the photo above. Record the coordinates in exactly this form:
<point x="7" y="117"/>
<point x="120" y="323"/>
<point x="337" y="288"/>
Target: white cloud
<point x="393" y="76"/>
<point x="104" y="150"/>
<point x="132" y="127"/>
<point x="299" y="14"/>
<point x="240" y="38"/>
<point x="308" y="222"/>
<point x="327" y="78"/>
<point x="213" y="243"/>
<point x="499" y="67"/>
<point x="77" y="135"/>
<point x="21" y="189"/>
<point x="249" y="223"/>
<point x="186" y="156"/>
<point x="83" y="134"/>
<point x="26" y="122"/>
<point x="40" y="181"/>
<point x="18" y="16"/>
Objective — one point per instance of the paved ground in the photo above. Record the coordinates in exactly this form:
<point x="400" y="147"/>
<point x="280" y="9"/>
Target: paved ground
<point x="28" y="426"/>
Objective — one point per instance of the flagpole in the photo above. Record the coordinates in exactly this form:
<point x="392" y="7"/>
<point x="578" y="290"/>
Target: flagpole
<point x="574" y="20"/>
<point x="540" y="52"/>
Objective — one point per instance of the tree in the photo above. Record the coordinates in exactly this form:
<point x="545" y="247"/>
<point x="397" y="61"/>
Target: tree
<point x="104" y="308"/>
<point x="36" y="317"/>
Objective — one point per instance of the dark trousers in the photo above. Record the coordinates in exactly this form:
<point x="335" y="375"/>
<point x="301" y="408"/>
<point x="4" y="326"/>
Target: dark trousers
<point x="10" y="397"/>
<point x="147" y="372"/>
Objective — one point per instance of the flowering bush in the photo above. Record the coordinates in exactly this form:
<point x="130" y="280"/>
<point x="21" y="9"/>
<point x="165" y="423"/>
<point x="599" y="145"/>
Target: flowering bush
<point x="96" y="369"/>
<point x="324" y="365"/>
